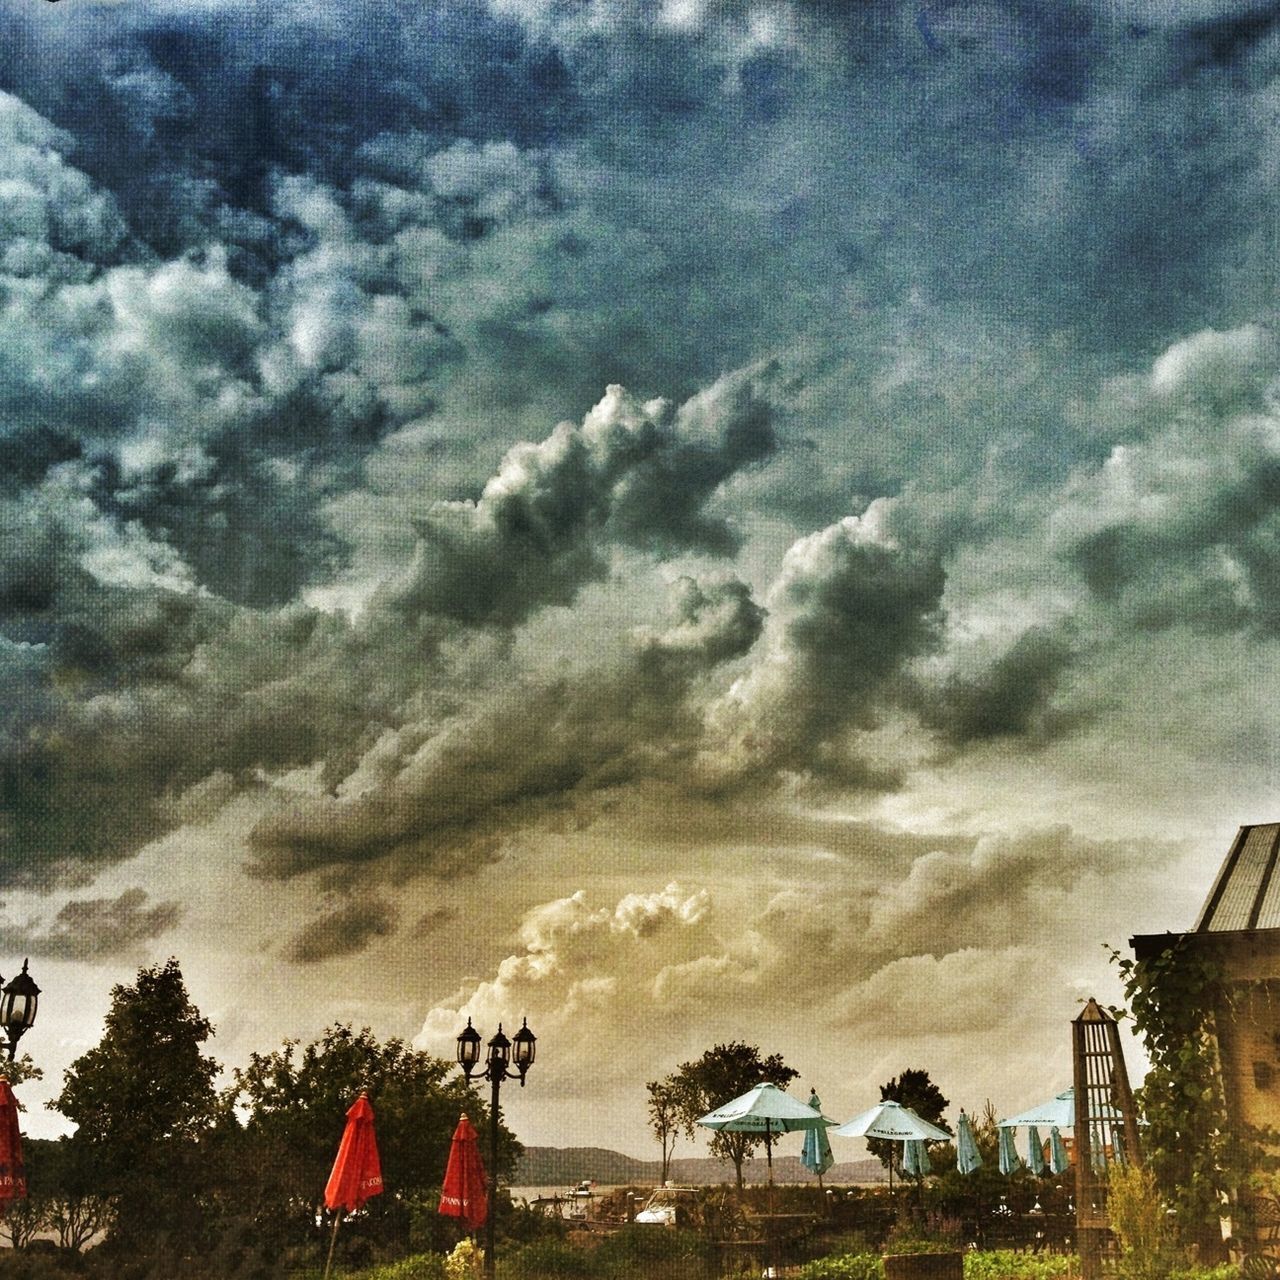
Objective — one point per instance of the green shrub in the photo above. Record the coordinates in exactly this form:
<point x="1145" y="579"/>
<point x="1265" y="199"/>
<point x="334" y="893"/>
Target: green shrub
<point x="1148" y="1249"/>
<point x="1220" y="1271"/>
<point x="1005" y="1264"/>
<point x="549" y="1259"/>
<point x="844" y="1266"/>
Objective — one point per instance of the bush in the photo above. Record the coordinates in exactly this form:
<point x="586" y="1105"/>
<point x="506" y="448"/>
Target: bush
<point x="1005" y="1264"/>
<point x="1148" y="1249"/>
<point x="548" y="1258"/>
<point x="844" y="1266"/>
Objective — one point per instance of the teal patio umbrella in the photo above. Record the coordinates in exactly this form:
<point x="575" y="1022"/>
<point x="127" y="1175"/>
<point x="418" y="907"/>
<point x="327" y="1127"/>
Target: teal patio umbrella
<point x="816" y="1156"/>
<point x="1058" y="1162"/>
<point x="1009" y="1162"/>
<point x="1035" y="1152"/>
<point x="915" y="1159"/>
<point x="893" y="1122"/>
<point x="768" y="1111"/>
<point x="968" y="1157"/>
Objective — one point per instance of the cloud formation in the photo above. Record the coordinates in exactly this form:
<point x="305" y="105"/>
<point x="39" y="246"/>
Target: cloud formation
<point x="96" y="929"/>
<point x="945" y="465"/>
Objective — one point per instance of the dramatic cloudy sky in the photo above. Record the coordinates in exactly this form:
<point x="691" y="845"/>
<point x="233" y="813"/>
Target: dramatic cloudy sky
<point x="686" y="520"/>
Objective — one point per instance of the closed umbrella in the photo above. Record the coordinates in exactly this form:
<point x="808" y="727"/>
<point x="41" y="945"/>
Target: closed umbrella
<point x="465" y="1193"/>
<point x="1009" y="1162"/>
<point x="1035" y="1152"/>
<point x="357" y="1171"/>
<point x="13" y="1174"/>
<point x="968" y="1157"/>
<point x="915" y="1159"/>
<point x="1097" y="1149"/>
<point x="816" y="1156"/>
<point x="1058" y="1162"/>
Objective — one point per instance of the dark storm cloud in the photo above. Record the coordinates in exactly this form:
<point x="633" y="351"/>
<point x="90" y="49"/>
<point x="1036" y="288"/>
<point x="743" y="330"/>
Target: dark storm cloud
<point x="342" y="930"/>
<point x="433" y="795"/>
<point x="1011" y="698"/>
<point x="96" y="928"/>
<point x="852" y="605"/>
<point x="636" y="475"/>
<point x="254" y="256"/>
<point x="1181" y="525"/>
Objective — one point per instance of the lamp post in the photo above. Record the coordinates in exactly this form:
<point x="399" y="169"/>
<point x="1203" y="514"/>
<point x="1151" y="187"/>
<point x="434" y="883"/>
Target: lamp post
<point x="18" y="1007"/>
<point x="504" y="1056"/>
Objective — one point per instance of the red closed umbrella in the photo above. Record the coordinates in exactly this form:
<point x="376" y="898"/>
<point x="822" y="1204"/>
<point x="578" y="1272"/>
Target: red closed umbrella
<point x="357" y="1171"/>
<point x="13" y="1174"/>
<point x="465" y="1193"/>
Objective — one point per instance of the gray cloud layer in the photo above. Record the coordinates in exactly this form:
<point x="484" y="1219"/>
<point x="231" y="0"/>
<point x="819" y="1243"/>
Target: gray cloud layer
<point x="962" y="317"/>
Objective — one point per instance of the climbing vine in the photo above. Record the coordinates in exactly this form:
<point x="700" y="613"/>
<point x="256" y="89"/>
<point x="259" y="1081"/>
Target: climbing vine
<point x="1188" y="1140"/>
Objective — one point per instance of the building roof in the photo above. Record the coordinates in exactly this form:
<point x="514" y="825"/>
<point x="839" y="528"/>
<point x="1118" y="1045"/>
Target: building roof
<point x="1246" y="894"/>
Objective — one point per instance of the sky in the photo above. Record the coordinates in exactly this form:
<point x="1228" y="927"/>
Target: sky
<point x="678" y="520"/>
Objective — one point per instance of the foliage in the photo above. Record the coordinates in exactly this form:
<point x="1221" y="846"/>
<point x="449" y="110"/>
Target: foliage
<point x="664" y="1117"/>
<point x="1005" y="1264"/>
<point x="23" y="1219"/>
<point x="145" y="1107"/>
<point x="913" y="1089"/>
<point x="1189" y="1143"/>
<point x="633" y="1251"/>
<point x="844" y="1266"/>
<point x="465" y="1261"/>
<point x="548" y="1258"/>
<point x="297" y="1098"/>
<point x="1138" y="1217"/>
<point x="722" y="1073"/>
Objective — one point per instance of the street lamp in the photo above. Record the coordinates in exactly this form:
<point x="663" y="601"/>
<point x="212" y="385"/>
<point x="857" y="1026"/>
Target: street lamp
<point x="504" y="1057"/>
<point x="18" y="1007"/>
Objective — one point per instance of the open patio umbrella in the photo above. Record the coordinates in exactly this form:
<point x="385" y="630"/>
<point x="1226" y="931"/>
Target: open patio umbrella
<point x="768" y="1111"/>
<point x="465" y="1193"/>
<point x="1035" y="1152"/>
<point x="357" y="1171"/>
<point x="1059" y="1110"/>
<point x="1009" y="1162"/>
<point x="816" y="1156"/>
<point x="1058" y="1162"/>
<point x="892" y="1121"/>
<point x="968" y="1157"/>
<point x="13" y="1175"/>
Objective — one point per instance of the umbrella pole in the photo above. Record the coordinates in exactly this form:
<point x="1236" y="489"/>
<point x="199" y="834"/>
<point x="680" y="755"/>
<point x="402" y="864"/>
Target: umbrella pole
<point x="773" y="1240"/>
<point x="333" y="1240"/>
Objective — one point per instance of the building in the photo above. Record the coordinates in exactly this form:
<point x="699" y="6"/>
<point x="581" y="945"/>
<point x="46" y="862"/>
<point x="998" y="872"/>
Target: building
<point x="1239" y="927"/>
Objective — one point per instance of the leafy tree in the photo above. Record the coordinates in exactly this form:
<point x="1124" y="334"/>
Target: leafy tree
<point x="296" y="1101"/>
<point x="913" y="1089"/>
<point x="721" y="1074"/>
<point x="144" y="1106"/>
<point x="664" y="1117"/>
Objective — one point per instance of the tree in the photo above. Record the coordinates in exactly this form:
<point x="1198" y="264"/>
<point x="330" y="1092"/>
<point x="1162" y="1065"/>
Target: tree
<point x="144" y="1105"/>
<point x="913" y="1089"/>
<point x="721" y="1074"/>
<point x="296" y="1101"/>
<point x="664" y="1117"/>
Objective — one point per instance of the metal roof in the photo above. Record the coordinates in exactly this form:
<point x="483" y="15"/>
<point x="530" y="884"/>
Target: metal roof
<point x="1246" y="894"/>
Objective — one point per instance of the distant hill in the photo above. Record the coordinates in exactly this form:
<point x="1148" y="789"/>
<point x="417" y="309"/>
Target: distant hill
<point x="555" y="1166"/>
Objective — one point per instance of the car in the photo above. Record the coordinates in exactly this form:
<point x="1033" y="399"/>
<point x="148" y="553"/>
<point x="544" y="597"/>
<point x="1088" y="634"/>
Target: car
<point x="667" y="1205"/>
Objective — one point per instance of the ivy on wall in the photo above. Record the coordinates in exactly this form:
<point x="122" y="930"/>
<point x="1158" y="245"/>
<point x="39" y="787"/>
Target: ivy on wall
<point x="1188" y="1140"/>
